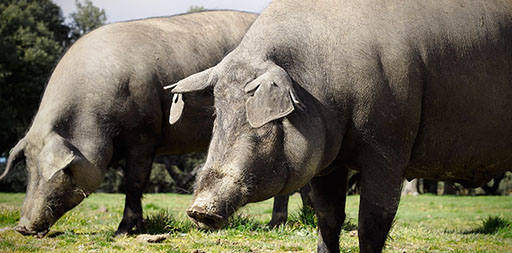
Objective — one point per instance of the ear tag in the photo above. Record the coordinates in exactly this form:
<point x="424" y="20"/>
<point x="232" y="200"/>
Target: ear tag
<point x="176" y="108"/>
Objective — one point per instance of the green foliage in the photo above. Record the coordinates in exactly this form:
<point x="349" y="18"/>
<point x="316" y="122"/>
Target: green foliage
<point x="175" y="173"/>
<point x="305" y="216"/>
<point x="16" y="180"/>
<point x="243" y="222"/>
<point x="164" y="222"/>
<point x="495" y="225"/>
<point x="195" y="8"/>
<point x="32" y="36"/>
<point x="160" y="180"/>
<point x="113" y="181"/>
<point x="9" y="217"/>
<point x="87" y="18"/>
<point x="191" y="160"/>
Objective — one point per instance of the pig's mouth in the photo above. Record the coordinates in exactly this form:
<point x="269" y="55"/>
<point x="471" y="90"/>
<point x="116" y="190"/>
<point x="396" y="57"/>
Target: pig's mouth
<point x="206" y="220"/>
<point x="24" y="231"/>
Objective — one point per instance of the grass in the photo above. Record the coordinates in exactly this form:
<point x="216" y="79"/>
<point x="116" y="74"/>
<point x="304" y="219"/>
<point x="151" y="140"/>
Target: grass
<point x="424" y="224"/>
<point x="495" y="225"/>
<point x="163" y="221"/>
<point x="305" y="216"/>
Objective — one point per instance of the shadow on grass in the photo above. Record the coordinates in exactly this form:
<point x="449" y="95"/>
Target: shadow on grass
<point x="55" y="234"/>
<point x="494" y="225"/>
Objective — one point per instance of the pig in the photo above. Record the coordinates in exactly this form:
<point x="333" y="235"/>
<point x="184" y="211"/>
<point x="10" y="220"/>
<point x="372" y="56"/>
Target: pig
<point x="392" y="89"/>
<point x="104" y="102"/>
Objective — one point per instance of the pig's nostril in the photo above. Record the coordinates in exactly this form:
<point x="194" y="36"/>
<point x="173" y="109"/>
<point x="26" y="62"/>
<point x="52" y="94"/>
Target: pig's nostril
<point x="22" y="230"/>
<point x="210" y="220"/>
<point x="195" y="211"/>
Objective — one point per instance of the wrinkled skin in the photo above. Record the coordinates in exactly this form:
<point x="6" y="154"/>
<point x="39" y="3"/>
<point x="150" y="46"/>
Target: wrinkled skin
<point x="105" y="102"/>
<point x="392" y="89"/>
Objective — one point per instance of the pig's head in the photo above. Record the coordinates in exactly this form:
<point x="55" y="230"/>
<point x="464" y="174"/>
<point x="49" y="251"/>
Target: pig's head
<point x="60" y="177"/>
<point x="267" y="140"/>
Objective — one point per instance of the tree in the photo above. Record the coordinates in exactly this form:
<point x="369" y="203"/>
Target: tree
<point x="87" y="18"/>
<point x="32" y="37"/>
<point x="195" y="8"/>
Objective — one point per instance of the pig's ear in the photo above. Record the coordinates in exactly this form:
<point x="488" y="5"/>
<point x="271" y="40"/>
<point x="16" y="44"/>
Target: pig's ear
<point x="15" y="155"/>
<point x="274" y="97"/>
<point x="195" y="82"/>
<point x="56" y="155"/>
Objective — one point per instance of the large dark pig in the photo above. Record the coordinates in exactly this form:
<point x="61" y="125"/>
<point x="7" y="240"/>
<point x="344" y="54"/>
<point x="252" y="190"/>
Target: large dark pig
<point x="419" y="88"/>
<point x="105" y="102"/>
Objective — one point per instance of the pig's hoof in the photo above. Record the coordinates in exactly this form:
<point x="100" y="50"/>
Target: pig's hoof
<point x="120" y="233"/>
<point x="126" y="228"/>
<point x="275" y="224"/>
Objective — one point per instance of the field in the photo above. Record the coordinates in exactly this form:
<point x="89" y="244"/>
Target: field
<point x="424" y="224"/>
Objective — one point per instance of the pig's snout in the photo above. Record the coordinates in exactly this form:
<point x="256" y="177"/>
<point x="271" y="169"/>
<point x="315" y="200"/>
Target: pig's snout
<point x="22" y="229"/>
<point x="204" y="219"/>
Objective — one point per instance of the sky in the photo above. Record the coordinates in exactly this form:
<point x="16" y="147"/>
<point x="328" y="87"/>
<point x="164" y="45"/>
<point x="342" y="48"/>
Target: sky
<point x="120" y="10"/>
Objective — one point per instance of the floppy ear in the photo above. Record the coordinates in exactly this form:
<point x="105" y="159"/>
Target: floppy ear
<point x="274" y="97"/>
<point x="15" y="155"/>
<point x="55" y="156"/>
<point x="196" y="82"/>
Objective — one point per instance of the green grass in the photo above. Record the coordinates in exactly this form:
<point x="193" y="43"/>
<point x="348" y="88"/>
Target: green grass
<point x="163" y="221"/>
<point x="495" y="225"/>
<point x="305" y="216"/>
<point x="424" y="224"/>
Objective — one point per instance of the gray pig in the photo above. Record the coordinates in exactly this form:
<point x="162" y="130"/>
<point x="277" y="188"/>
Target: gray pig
<point x="394" y="89"/>
<point x="105" y="102"/>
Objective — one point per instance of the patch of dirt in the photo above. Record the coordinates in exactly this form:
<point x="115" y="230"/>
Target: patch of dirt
<point x="152" y="238"/>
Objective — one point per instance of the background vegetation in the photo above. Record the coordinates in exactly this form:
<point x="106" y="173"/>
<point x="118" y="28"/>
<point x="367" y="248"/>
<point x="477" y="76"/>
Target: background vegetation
<point x="33" y="37"/>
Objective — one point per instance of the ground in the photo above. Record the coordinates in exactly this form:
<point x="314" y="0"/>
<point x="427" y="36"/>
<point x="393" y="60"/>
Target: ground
<point x="424" y="224"/>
